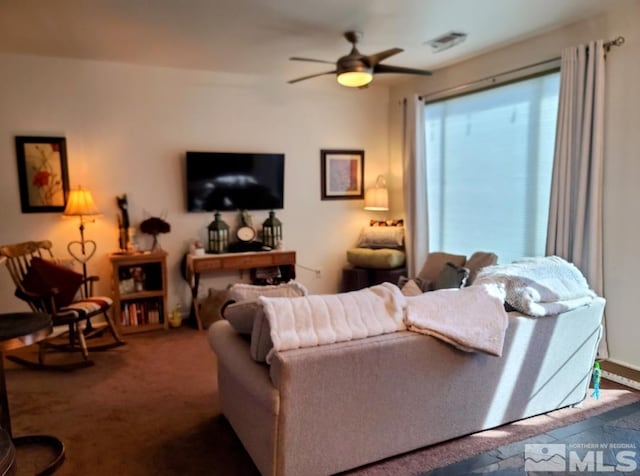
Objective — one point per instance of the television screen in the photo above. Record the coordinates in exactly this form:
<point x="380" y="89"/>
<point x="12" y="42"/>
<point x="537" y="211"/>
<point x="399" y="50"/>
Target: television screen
<point x="234" y="181"/>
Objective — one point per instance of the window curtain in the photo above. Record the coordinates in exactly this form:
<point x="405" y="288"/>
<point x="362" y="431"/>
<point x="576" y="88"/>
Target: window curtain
<point x="414" y="184"/>
<point x="575" y="214"/>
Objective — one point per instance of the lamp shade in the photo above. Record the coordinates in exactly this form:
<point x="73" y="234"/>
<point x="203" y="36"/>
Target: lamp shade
<point x="377" y="198"/>
<point x="80" y="203"/>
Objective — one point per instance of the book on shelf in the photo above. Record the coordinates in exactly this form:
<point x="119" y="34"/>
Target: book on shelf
<point x="140" y="313"/>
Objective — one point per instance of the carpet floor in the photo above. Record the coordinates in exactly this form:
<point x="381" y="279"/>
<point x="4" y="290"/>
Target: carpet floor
<point x="151" y="408"/>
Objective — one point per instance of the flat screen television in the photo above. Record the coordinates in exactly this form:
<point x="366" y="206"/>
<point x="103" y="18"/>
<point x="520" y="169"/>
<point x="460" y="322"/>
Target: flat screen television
<point x="234" y="181"/>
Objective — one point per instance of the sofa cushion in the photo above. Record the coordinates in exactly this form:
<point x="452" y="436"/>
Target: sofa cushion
<point x="382" y="258"/>
<point x="381" y="237"/>
<point x="241" y="315"/>
<point x="451" y="276"/>
<point x="435" y="262"/>
<point x="241" y="307"/>
<point x="244" y="312"/>
<point x="248" y="292"/>
<point x="261" y="342"/>
<point x="477" y="261"/>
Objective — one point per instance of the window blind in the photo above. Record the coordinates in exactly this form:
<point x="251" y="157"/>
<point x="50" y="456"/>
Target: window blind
<point x="489" y="164"/>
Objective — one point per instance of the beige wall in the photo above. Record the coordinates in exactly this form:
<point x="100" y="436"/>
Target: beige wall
<point x="622" y="168"/>
<point x="127" y="128"/>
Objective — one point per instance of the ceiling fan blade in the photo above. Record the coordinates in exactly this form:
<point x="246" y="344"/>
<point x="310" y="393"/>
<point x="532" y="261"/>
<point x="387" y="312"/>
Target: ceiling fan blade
<point x="377" y="57"/>
<point x="311" y="76"/>
<point x="384" y="68"/>
<point x="297" y="58"/>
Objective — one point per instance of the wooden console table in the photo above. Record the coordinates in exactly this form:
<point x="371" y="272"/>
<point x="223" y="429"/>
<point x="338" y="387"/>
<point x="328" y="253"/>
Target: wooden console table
<point x="231" y="261"/>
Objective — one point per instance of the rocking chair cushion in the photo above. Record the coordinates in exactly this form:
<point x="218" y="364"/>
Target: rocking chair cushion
<point x="85" y="307"/>
<point x="46" y="278"/>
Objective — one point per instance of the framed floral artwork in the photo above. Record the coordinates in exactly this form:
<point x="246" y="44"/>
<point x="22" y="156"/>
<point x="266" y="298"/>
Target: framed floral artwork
<point x="42" y="173"/>
<point x="342" y="174"/>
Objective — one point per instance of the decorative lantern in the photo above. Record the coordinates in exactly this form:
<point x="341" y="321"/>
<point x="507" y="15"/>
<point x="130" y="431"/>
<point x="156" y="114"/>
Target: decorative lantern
<point x="218" y="235"/>
<point x="272" y="231"/>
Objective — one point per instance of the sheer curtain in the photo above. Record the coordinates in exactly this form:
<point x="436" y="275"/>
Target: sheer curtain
<point x="414" y="184"/>
<point x="575" y="213"/>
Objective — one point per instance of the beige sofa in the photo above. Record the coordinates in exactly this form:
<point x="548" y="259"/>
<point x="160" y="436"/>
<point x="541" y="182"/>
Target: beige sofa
<point x="330" y="408"/>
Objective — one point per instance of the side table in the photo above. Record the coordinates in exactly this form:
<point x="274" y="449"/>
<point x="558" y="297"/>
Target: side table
<point x="354" y="278"/>
<point x="18" y="330"/>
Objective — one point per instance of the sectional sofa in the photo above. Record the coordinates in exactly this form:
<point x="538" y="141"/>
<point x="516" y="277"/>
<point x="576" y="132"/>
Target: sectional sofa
<point x="330" y="408"/>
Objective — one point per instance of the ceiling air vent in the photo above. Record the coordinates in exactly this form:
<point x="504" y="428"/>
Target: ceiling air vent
<point x="446" y="41"/>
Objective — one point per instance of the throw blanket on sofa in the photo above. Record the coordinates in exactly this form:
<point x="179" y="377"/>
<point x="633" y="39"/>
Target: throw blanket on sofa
<point x="308" y="321"/>
<point x="540" y="286"/>
<point x="472" y="319"/>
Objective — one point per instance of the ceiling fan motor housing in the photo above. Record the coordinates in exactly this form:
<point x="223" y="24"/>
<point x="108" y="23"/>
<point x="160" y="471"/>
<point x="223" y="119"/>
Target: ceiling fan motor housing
<point x="352" y="64"/>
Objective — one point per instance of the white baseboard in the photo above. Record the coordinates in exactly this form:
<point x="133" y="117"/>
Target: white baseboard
<point x="621" y="380"/>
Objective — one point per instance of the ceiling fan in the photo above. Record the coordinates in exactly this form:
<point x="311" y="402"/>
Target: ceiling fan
<point x="355" y="69"/>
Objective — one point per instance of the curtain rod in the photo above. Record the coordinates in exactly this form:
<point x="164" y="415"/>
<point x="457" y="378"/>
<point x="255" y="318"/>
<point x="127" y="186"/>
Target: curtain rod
<point x="618" y="41"/>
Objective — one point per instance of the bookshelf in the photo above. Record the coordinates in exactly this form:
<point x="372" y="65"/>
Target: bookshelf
<point x="139" y="284"/>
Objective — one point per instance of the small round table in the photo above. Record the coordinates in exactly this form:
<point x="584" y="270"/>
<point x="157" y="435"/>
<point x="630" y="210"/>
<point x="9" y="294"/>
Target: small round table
<point x="17" y="330"/>
<point x="7" y="452"/>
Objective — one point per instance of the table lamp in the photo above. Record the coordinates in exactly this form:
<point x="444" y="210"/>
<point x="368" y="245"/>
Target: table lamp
<point x="377" y="198"/>
<point x="80" y="204"/>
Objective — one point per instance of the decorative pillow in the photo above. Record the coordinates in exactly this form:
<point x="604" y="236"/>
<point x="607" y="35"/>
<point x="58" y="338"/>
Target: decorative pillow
<point x="436" y="262"/>
<point x="477" y="261"/>
<point x="64" y="262"/>
<point x="382" y="258"/>
<point x="451" y="276"/>
<point x="250" y="292"/>
<point x="411" y="288"/>
<point x="381" y="237"/>
<point x="399" y="222"/>
<point x="47" y="278"/>
<point x="422" y="285"/>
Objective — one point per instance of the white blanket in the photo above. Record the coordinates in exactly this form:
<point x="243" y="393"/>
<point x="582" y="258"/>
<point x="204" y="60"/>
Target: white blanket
<point x="471" y="319"/>
<point x="325" y="319"/>
<point x="539" y="286"/>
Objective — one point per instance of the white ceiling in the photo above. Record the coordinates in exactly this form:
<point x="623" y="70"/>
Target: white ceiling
<point x="258" y="36"/>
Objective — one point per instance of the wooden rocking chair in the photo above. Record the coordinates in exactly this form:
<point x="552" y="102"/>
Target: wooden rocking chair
<point x="49" y="287"/>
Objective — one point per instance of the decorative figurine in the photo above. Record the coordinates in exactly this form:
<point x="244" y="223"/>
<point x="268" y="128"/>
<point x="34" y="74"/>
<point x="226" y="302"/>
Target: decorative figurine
<point x="123" y="223"/>
<point x="596" y="381"/>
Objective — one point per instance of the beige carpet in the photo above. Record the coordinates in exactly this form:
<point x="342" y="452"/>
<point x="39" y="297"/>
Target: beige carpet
<point x="150" y="408"/>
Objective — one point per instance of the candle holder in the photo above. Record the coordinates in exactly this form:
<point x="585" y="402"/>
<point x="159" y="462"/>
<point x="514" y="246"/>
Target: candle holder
<point x="272" y="231"/>
<point x="218" y="235"/>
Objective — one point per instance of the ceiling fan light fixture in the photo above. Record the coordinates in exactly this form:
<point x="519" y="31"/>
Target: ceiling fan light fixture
<point x="355" y="79"/>
<point x="356" y="70"/>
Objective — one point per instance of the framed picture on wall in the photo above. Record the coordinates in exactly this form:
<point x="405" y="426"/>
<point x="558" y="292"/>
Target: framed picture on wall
<point x="42" y="173"/>
<point x="342" y="174"/>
